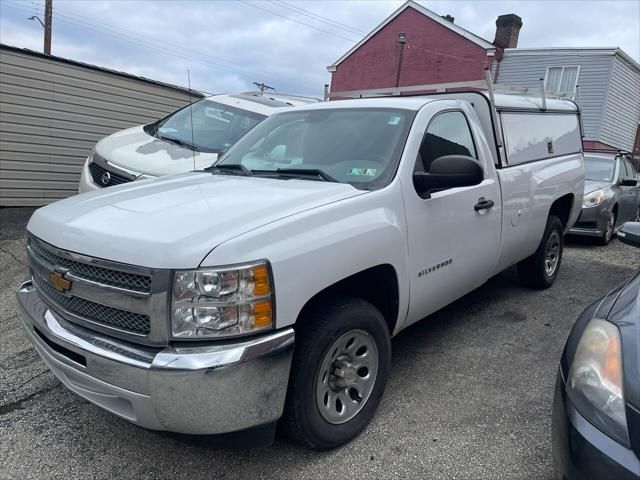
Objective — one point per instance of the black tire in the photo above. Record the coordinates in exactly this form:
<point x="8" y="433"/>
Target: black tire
<point x="532" y="271"/>
<point x="607" y="235"/>
<point x="316" y="334"/>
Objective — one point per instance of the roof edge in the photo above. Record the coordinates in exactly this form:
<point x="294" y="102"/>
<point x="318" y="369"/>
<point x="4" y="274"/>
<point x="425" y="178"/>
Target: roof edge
<point x="26" y="51"/>
<point x="428" y="13"/>
<point x="575" y="51"/>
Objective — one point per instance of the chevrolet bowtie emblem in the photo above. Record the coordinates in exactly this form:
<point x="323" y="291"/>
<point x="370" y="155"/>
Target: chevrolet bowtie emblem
<point x="59" y="282"/>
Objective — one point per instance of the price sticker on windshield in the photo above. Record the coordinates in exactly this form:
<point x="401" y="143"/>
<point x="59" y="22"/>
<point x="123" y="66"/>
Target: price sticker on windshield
<point x="366" y="172"/>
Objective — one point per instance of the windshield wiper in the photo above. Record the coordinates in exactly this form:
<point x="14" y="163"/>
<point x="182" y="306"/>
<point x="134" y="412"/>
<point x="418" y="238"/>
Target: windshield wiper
<point x="307" y="172"/>
<point x="230" y="167"/>
<point x="177" y="141"/>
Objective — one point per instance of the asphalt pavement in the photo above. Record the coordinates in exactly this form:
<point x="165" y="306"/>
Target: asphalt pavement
<point x="469" y="395"/>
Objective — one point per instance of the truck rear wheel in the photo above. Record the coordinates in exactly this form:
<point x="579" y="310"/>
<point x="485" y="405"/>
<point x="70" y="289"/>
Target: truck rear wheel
<point x="541" y="269"/>
<point x="339" y="372"/>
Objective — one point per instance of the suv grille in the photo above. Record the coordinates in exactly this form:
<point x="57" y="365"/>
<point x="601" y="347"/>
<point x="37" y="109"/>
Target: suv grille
<point x="98" y="175"/>
<point x="109" y="316"/>
<point x="115" y="278"/>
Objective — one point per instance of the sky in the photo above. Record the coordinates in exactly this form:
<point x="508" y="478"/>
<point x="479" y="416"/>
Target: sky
<point x="227" y="45"/>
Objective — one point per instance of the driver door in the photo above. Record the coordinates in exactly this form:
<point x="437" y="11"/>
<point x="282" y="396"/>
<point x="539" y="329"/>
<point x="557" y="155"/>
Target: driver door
<point x="453" y="243"/>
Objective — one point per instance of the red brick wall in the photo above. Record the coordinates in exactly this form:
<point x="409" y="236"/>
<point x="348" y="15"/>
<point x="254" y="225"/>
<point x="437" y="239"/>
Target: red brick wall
<point x="595" y="146"/>
<point x="375" y="63"/>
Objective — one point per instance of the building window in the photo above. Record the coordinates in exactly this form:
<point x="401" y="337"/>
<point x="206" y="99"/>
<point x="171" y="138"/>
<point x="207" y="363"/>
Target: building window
<point x="562" y="80"/>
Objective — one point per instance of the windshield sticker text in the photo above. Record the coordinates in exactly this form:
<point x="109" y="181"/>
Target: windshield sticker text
<point x="367" y="172"/>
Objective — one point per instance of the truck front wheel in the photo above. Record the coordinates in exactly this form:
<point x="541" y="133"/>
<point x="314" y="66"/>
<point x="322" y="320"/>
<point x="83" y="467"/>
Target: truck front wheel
<point x="541" y="269"/>
<point x="339" y="372"/>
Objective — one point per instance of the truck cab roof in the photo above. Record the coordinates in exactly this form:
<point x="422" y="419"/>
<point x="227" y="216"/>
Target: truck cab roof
<point x="503" y="101"/>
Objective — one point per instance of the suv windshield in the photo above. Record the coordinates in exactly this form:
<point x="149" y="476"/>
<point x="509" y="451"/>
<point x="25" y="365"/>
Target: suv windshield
<point x="359" y="146"/>
<point x="599" y="169"/>
<point x="215" y="126"/>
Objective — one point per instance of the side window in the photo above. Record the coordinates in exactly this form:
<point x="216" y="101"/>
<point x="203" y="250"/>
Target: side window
<point x="447" y="134"/>
<point x="622" y="172"/>
<point x="631" y="172"/>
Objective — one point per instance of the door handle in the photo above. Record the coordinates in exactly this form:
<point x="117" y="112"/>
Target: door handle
<point x="483" y="204"/>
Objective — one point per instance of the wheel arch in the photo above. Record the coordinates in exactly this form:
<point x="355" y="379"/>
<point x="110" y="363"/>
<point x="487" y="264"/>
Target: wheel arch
<point x="561" y="208"/>
<point x="377" y="285"/>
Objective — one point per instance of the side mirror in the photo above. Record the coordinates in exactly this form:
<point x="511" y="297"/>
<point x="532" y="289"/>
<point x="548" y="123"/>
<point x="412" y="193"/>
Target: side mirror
<point x="630" y="234"/>
<point x="628" y="182"/>
<point x="449" y="171"/>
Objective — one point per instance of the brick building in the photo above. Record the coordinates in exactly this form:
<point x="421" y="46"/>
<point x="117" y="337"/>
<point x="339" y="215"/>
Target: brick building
<point x="415" y="47"/>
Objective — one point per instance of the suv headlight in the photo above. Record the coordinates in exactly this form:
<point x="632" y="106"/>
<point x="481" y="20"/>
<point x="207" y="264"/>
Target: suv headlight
<point x="221" y="302"/>
<point x="593" y="199"/>
<point x="595" y="384"/>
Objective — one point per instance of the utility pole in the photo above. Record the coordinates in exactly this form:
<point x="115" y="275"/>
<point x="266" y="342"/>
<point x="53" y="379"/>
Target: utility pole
<point x="48" y="14"/>
<point x="402" y="40"/>
<point x="263" y="86"/>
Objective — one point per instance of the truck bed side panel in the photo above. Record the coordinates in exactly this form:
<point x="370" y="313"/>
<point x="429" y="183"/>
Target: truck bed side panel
<point x="528" y="191"/>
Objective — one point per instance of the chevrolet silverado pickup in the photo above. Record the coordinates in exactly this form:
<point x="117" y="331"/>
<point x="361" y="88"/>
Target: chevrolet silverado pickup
<point x="267" y="287"/>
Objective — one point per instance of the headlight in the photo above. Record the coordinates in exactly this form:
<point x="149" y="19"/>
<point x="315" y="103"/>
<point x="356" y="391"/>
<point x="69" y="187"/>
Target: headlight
<point x="221" y="302"/>
<point x="593" y="199"/>
<point x="595" y="380"/>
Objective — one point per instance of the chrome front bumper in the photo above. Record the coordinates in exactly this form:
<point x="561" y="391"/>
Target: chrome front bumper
<point x="209" y="389"/>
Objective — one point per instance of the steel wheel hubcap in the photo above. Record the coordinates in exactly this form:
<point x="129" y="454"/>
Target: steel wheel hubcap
<point x="552" y="254"/>
<point x="347" y="376"/>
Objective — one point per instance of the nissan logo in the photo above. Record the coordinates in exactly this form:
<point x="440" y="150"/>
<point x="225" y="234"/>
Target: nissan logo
<point x="106" y="178"/>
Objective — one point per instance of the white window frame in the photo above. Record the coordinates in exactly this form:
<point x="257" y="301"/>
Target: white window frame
<point x="546" y="76"/>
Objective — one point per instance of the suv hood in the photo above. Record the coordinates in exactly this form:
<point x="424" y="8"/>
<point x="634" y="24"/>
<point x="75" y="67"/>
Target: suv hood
<point x="174" y="222"/>
<point x="593" y="185"/>
<point x="134" y="149"/>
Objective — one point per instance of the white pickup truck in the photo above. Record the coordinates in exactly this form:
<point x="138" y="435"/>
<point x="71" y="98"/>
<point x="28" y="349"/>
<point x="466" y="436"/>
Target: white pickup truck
<point x="267" y="288"/>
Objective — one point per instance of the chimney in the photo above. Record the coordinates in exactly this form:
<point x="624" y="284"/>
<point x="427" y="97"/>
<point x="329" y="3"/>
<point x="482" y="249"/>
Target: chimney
<point x="507" y="31"/>
<point x="448" y="17"/>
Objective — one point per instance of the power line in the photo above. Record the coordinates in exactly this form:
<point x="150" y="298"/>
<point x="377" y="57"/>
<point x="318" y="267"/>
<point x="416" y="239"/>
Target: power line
<point x="151" y="43"/>
<point x="296" y="21"/>
<point x="315" y="16"/>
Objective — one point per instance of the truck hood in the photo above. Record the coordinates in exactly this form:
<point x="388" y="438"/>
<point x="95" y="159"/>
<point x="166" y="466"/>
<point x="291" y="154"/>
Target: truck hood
<point x="174" y="222"/>
<point x="135" y="150"/>
<point x="593" y="185"/>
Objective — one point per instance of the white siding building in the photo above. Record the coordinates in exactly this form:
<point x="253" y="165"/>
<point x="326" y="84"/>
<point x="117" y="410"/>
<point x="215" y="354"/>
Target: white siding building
<point x="54" y="110"/>
<point x="605" y="81"/>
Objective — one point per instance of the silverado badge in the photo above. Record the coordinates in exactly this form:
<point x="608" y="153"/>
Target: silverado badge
<point x="59" y="282"/>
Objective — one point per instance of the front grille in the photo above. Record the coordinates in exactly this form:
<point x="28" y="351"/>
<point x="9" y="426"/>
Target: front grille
<point x="107" y="276"/>
<point x="586" y="225"/>
<point x="98" y="175"/>
<point x="95" y="312"/>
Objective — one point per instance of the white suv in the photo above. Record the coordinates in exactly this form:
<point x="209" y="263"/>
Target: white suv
<point x="188" y="139"/>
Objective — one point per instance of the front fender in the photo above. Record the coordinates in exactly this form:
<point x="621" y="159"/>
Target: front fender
<point x="314" y="249"/>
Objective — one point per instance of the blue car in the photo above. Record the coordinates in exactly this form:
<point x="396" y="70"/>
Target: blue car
<point x="596" y="409"/>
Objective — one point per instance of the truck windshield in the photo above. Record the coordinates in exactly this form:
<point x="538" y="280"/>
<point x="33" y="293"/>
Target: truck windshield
<point x="359" y="146"/>
<point x="598" y="168"/>
<point x="215" y="126"/>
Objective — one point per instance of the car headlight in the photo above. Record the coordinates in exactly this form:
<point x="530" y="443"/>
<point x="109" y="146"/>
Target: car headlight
<point x="593" y="199"/>
<point x="221" y="302"/>
<point x="595" y="384"/>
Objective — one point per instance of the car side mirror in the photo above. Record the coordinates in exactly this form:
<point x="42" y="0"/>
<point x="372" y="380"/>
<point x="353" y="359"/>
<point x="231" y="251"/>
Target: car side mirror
<point x="628" y="182"/>
<point x="630" y="233"/>
<point x="449" y="171"/>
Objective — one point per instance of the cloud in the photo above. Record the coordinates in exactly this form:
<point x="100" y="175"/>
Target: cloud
<point x="227" y="45"/>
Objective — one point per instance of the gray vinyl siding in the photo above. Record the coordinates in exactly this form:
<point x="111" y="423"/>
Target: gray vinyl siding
<point x="595" y="71"/>
<point x="622" y="108"/>
<point x="52" y="113"/>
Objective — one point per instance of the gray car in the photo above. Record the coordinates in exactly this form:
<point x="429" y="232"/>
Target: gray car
<point x="611" y="196"/>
